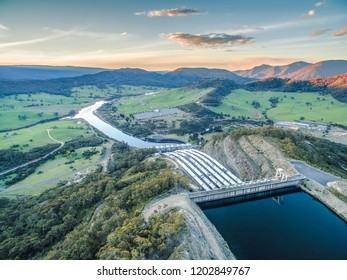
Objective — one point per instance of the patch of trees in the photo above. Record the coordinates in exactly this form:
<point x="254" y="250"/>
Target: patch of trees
<point x="194" y="126"/>
<point x="10" y="158"/>
<point x="274" y="101"/>
<point x="221" y="89"/>
<point x="137" y="240"/>
<point x="255" y="104"/>
<point x="81" y="142"/>
<point x="198" y="110"/>
<point x="99" y="217"/>
<point x="87" y="154"/>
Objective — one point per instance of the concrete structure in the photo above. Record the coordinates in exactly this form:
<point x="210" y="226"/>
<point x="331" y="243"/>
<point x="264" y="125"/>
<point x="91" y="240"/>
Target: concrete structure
<point x="245" y="189"/>
<point x="219" y="183"/>
<point x="205" y="170"/>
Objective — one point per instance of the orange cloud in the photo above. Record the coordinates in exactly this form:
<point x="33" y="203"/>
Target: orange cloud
<point x="341" y="32"/>
<point x="208" y="40"/>
<point x="319" y="32"/>
<point x="311" y="13"/>
<point x="170" y="12"/>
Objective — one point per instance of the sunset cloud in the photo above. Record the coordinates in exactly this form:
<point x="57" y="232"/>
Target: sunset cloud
<point x="311" y="13"/>
<point x="170" y="12"/>
<point x="320" y="4"/>
<point x="208" y="40"/>
<point x="341" y="32"/>
<point x="319" y="32"/>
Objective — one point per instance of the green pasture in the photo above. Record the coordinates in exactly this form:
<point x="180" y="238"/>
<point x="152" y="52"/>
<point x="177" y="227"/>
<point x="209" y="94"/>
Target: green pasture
<point x="291" y="106"/>
<point x="36" y="136"/>
<point x="164" y="99"/>
<point x="24" y="109"/>
<point x="95" y="92"/>
<point x="62" y="167"/>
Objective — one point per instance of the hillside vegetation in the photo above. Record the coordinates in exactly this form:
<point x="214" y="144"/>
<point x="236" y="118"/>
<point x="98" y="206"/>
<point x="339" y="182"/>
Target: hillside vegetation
<point x="274" y="105"/>
<point x="97" y="218"/>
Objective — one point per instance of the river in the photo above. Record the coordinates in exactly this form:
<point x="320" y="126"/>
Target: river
<point x="110" y="131"/>
<point x="293" y="226"/>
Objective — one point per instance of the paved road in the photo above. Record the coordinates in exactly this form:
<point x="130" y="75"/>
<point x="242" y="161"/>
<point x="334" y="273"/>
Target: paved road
<point x="313" y="173"/>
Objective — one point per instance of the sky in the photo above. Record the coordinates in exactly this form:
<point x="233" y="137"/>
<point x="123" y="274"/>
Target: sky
<point x="165" y="35"/>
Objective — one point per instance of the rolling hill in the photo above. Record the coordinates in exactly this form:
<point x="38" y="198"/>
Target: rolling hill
<point x="336" y="86"/>
<point x="323" y="69"/>
<point x="190" y="75"/>
<point x="124" y="76"/>
<point x="266" y="71"/>
<point x="297" y="71"/>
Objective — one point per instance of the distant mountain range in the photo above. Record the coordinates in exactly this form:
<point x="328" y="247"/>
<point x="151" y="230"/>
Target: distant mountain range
<point x="297" y="71"/>
<point x="335" y="85"/>
<point x="33" y="72"/>
<point x="266" y="71"/>
<point x="124" y="76"/>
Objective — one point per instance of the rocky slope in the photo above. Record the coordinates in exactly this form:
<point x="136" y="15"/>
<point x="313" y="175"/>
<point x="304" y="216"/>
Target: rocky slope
<point x="250" y="157"/>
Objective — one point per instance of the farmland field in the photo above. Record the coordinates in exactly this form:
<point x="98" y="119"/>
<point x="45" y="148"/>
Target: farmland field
<point x="36" y="136"/>
<point x="164" y="99"/>
<point x="308" y="106"/>
<point x="62" y="167"/>
<point x="26" y="109"/>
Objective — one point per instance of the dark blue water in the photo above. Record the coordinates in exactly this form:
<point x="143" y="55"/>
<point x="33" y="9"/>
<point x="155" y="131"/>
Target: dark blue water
<point x="298" y="228"/>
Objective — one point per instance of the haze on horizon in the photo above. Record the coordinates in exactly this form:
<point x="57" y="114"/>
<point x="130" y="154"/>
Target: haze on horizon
<point x="164" y="35"/>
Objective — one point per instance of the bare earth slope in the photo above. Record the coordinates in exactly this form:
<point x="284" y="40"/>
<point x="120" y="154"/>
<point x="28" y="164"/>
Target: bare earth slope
<point x="250" y="157"/>
<point x="201" y="241"/>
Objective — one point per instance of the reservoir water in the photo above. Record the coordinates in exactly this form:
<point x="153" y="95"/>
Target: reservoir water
<point x="291" y="226"/>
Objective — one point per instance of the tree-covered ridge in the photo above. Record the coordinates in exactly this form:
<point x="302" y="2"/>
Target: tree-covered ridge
<point x="86" y="220"/>
<point x="321" y="153"/>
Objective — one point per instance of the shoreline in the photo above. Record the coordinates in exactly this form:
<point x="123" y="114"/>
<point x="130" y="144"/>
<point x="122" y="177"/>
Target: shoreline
<point x="321" y="193"/>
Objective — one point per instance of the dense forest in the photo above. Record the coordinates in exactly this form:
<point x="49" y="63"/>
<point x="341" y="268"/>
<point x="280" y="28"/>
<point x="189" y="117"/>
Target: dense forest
<point x="318" y="152"/>
<point x="98" y="218"/>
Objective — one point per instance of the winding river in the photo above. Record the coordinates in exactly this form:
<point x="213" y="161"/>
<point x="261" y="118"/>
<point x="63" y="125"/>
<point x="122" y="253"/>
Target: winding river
<point x="109" y="130"/>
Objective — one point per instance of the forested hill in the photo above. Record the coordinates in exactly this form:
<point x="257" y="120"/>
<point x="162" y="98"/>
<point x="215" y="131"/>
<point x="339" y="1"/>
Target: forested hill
<point x="63" y="86"/>
<point x="126" y="76"/>
<point x="336" y="86"/>
<point x="99" y="218"/>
